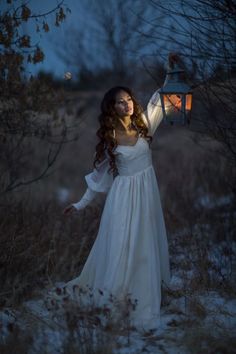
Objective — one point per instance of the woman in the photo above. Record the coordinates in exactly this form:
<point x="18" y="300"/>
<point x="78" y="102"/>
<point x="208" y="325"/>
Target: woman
<point x="130" y="254"/>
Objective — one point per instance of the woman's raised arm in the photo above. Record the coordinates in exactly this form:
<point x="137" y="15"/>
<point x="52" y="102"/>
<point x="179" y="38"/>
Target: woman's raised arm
<point x="153" y="114"/>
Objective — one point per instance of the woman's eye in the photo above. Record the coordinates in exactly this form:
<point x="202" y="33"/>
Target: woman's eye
<point x="122" y="101"/>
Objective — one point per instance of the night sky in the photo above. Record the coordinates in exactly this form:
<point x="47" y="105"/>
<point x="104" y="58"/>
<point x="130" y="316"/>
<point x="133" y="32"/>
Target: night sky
<point x="57" y="36"/>
<point x="49" y="41"/>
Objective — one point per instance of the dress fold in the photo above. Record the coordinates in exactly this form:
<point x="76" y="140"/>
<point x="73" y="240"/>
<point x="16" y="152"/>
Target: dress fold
<point x="130" y="254"/>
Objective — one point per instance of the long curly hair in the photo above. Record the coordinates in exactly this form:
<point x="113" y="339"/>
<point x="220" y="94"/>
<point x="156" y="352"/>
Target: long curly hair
<point x="108" y="118"/>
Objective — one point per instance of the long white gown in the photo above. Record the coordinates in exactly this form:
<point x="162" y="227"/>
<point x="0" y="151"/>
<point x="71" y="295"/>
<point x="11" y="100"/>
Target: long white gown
<point x="130" y="253"/>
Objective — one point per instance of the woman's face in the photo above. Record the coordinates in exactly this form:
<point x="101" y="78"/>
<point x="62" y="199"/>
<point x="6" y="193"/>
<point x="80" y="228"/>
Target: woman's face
<point x="124" y="105"/>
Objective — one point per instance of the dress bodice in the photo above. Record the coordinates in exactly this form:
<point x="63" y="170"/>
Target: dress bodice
<point x="131" y="159"/>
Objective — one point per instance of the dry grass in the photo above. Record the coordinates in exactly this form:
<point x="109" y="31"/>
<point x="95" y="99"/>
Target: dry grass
<point x="39" y="245"/>
<point x="209" y="340"/>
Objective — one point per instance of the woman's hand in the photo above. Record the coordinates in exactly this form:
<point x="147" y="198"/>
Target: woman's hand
<point x="173" y="58"/>
<point x="69" y="209"/>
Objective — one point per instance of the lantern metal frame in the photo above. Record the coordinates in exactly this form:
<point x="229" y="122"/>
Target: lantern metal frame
<point x="175" y="85"/>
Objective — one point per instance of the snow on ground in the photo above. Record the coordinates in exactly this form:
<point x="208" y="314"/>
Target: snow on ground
<point x="51" y="335"/>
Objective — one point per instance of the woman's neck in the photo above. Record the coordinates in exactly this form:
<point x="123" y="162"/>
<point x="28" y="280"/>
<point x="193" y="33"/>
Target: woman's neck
<point x="124" y="123"/>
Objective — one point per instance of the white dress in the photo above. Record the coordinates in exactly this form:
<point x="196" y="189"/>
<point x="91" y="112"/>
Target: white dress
<point x="130" y="253"/>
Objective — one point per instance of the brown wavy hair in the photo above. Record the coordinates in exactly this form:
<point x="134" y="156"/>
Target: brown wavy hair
<point x="108" y="118"/>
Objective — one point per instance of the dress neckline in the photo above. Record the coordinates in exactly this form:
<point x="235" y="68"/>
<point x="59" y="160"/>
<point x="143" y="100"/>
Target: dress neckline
<point x="133" y="145"/>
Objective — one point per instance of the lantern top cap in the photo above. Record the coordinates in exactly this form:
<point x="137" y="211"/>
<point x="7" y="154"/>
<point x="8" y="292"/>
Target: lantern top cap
<point x="174" y="69"/>
<point x="176" y="80"/>
<point x="175" y="88"/>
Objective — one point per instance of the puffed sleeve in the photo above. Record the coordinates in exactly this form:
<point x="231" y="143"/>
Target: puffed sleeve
<point x="153" y="114"/>
<point x="99" y="180"/>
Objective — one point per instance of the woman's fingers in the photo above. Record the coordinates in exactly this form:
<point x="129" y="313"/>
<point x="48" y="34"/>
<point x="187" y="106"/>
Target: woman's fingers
<point x="71" y="209"/>
<point x="68" y="210"/>
<point x="173" y="58"/>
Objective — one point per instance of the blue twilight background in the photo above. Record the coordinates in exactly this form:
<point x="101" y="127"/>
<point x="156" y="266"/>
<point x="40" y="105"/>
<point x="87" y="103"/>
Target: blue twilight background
<point x="81" y="18"/>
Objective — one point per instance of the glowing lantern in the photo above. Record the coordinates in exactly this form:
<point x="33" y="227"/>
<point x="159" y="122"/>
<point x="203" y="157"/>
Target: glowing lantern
<point x="176" y="94"/>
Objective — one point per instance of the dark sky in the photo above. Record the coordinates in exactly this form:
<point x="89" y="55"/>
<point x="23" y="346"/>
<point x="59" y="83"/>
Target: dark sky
<point x="49" y="41"/>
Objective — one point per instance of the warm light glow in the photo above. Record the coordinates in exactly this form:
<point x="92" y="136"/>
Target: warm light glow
<point x="172" y="103"/>
<point x="188" y="105"/>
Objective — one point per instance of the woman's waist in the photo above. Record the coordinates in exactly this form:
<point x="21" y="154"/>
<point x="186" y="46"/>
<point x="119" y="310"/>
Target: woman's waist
<point x="133" y="166"/>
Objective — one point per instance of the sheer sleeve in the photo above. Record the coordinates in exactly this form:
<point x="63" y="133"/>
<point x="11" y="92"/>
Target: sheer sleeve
<point x="153" y="114"/>
<point x="100" y="180"/>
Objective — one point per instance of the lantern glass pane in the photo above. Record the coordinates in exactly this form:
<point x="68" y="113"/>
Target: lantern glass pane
<point x="173" y="103"/>
<point x="188" y="104"/>
<point x="173" y="108"/>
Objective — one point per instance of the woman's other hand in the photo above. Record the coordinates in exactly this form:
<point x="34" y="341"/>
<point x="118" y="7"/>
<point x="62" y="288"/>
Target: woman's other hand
<point x="69" y="209"/>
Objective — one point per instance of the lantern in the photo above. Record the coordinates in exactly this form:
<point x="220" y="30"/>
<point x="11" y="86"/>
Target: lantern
<point x="176" y="94"/>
